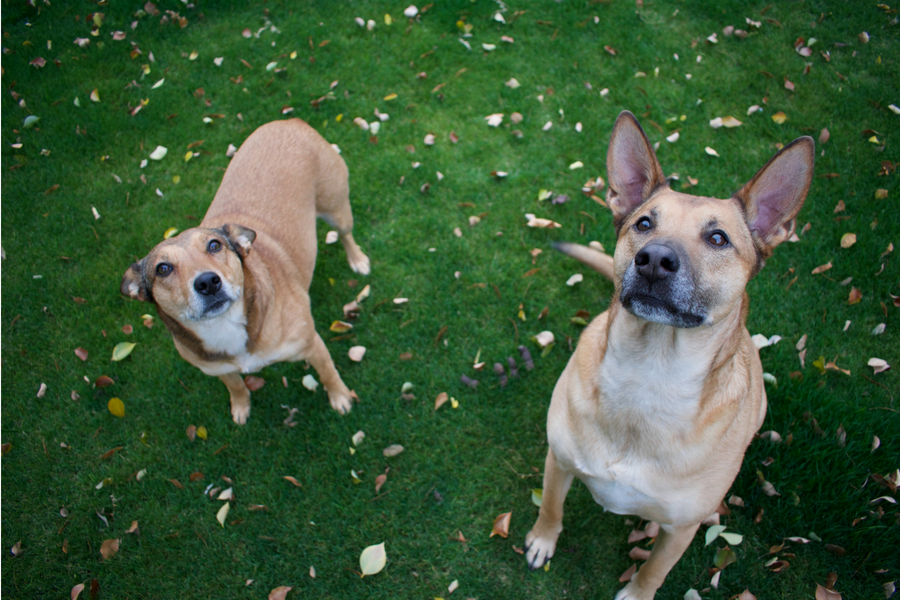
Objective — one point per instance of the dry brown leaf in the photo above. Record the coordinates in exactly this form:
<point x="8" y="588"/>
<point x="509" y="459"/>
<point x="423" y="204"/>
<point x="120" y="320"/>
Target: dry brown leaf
<point x="840" y="207"/>
<point x="746" y="595"/>
<point x="133" y="529"/>
<point x="191" y="432"/>
<point x="76" y="591"/>
<point x="440" y="401"/>
<point x="109" y="548"/>
<point x="81" y="353"/>
<point x="501" y="525"/>
<point x="823" y="136"/>
<point x="254" y="383"/>
<point x="881" y="194"/>
<point x="823" y="593"/>
<point x="293" y="480"/>
<point x="176" y="483"/>
<point x="380" y="481"/>
<point x="855" y="296"/>
<point x="822" y="268"/>
<point x="280" y="593"/>
<point x="627" y="575"/>
<point x="103" y="381"/>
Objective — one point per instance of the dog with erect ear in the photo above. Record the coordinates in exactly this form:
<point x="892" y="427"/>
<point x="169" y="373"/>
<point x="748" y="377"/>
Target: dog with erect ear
<point x="664" y="392"/>
<point x="234" y="292"/>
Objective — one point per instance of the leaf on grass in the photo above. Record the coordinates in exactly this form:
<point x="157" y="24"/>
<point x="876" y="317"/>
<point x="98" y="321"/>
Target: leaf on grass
<point x="880" y="366"/>
<point x="159" y="153"/>
<point x="293" y="480"/>
<point x="725" y="557"/>
<point x="712" y="533"/>
<point x="847" y="240"/>
<point x="110" y="452"/>
<point x="223" y="513"/>
<point x="358" y="437"/>
<point x="133" y="529"/>
<point x="76" y="591"/>
<point x="855" y="296"/>
<point x="393" y="450"/>
<point x="191" y="432"/>
<point x="628" y="574"/>
<point x="441" y="400"/>
<point x="576" y="278"/>
<point x="537" y="496"/>
<point x="380" y="481"/>
<point x="822" y="268"/>
<point x="356" y="353"/>
<point x="881" y="194"/>
<point x="779" y="117"/>
<point x="824" y="135"/>
<point x="711" y="152"/>
<point x="254" y="383"/>
<point x="109" y="548"/>
<point x="501" y="525"/>
<point x="372" y="560"/>
<point x="544" y="338"/>
<point x="201" y="432"/>
<point x="122" y="350"/>
<point x="279" y="593"/>
<point x="116" y="407"/>
<point x="81" y="353"/>
<point x="340" y="327"/>
<point x="823" y="593"/>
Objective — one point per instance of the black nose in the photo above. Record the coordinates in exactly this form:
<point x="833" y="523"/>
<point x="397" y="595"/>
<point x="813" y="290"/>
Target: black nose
<point x="208" y="283"/>
<point x="656" y="261"/>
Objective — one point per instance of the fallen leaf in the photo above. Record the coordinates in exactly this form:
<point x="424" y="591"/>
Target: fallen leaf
<point x="372" y="560"/>
<point x="711" y="152"/>
<point x="191" y="432"/>
<point x="824" y="135"/>
<point x="76" y="591"/>
<point x="847" y="240"/>
<point x="441" y="400"/>
<point x="340" y="327"/>
<point x="122" y="350"/>
<point x="223" y="513"/>
<point x="133" y="529"/>
<point x="494" y="120"/>
<point x="881" y="194"/>
<point x="395" y="449"/>
<point x="576" y="278"/>
<point x="254" y="383"/>
<point x="855" y="296"/>
<point x="822" y="268"/>
<point x="279" y="593"/>
<point x="116" y="407"/>
<point x="356" y="353"/>
<point x="380" y="481"/>
<point x="823" y="593"/>
<point x="294" y="480"/>
<point x="109" y="548"/>
<point x="81" y="353"/>
<point x="779" y="117"/>
<point x="159" y="153"/>
<point x="95" y="96"/>
<point x="879" y="365"/>
<point x="731" y="122"/>
<point x="501" y="525"/>
<point x="545" y="338"/>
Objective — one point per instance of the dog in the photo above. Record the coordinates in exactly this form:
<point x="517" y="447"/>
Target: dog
<point x="664" y="392"/>
<point x="234" y="292"/>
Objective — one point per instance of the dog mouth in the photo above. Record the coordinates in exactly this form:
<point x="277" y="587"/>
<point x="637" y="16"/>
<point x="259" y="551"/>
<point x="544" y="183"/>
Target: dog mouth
<point x="216" y="307"/>
<point x="658" y="310"/>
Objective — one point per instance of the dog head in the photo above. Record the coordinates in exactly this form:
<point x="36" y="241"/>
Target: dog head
<point x="685" y="260"/>
<point x="194" y="276"/>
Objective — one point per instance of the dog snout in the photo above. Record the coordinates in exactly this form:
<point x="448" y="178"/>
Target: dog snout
<point x="207" y="283"/>
<point x="656" y="261"/>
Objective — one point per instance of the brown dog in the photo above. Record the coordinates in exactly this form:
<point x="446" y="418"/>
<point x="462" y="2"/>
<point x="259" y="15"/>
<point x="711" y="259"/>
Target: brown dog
<point x="665" y="392"/>
<point x="234" y="291"/>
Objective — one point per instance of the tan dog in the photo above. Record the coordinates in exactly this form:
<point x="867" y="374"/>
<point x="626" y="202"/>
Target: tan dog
<point x="234" y="291"/>
<point x="665" y="392"/>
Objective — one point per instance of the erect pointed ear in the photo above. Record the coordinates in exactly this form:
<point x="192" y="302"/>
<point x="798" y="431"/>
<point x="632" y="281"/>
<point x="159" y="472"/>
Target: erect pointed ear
<point x="776" y="193"/>
<point x="632" y="168"/>
<point x="240" y="238"/>
<point x="133" y="283"/>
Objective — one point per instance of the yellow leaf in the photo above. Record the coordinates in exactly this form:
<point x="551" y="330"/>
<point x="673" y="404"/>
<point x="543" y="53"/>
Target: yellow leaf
<point x="537" y="496"/>
<point x="95" y="96"/>
<point x="339" y="117"/>
<point x="819" y="364"/>
<point x="847" y="240"/>
<point x="372" y="559"/>
<point x="454" y="402"/>
<point x="387" y="19"/>
<point x="188" y="156"/>
<point x="176" y="179"/>
<point x="293" y="55"/>
<point x="122" y="350"/>
<point x="874" y="139"/>
<point x="779" y="117"/>
<point x="170" y="232"/>
<point x="390" y="97"/>
<point x="881" y="194"/>
<point x="116" y="407"/>
<point x="223" y="513"/>
<point x="340" y="327"/>
<point x="202" y="433"/>
<point x="193" y="55"/>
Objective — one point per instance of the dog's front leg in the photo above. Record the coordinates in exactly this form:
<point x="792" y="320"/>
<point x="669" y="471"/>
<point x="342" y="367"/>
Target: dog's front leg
<point x="668" y="548"/>
<point x="240" y="397"/>
<point x="338" y="393"/>
<point x="540" y="543"/>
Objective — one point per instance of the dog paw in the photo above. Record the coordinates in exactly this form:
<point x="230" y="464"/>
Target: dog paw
<point x="538" y="550"/>
<point x="360" y="264"/>
<point x="633" y="592"/>
<point x="240" y="413"/>
<point x="340" y="403"/>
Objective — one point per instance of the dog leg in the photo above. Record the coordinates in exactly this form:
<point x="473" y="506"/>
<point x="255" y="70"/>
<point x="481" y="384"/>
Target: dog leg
<point x="240" y="397"/>
<point x="540" y="543"/>
<point x="669" y="546"/>
<point x="320" y="359"/>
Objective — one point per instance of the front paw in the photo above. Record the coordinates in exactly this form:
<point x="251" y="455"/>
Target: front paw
<point x="240" y="413"/>
<point x="539" y="549"/>
<point x="632" y="591"/>
<point x="360" y="264"/>
<point x="340" y="402"/>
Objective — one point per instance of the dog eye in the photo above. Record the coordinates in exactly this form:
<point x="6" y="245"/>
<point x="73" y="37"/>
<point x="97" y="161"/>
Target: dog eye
<point x="717" y="238"/>
<point x="214" y="246"/>
<point x="163" y="269"/>
<point x="644" y="224"/>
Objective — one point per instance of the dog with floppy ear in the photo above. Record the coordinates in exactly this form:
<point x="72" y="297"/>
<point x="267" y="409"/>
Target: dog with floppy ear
<point x="664" y="392"/>
<point x="234" y="291"/>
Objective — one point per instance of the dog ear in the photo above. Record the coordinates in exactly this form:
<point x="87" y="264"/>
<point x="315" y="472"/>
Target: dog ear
<point x="776" y="193"/>
<point x="632" y="168"/>
<point x="133" y="283"/>
<point x="240" y="238"/>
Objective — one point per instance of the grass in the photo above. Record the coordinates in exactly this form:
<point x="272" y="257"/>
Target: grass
<point x="463" y="467"/>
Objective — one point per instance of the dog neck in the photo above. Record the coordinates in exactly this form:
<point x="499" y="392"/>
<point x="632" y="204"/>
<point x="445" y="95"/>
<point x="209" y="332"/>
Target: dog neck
<point x="654" y="378"/>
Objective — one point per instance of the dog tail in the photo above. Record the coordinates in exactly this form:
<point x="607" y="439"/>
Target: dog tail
<point x="598" y="261"/>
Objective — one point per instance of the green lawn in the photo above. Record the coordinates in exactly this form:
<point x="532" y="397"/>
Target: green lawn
<point x="461" y="467"/>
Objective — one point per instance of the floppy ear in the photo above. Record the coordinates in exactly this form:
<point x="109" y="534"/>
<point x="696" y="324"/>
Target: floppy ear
<point x="240" y="238"/>
<point x="133" y="283"/>
<point x="776" y="193"/>
<point x="632" y="168"/>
